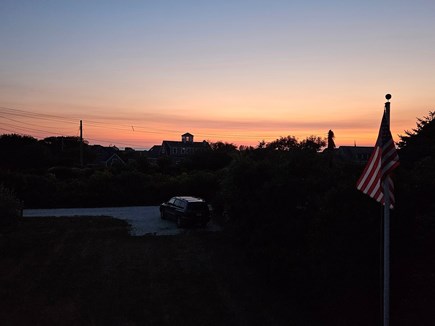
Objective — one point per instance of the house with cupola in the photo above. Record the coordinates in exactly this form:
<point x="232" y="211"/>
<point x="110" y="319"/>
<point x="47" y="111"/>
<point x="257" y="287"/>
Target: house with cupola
<point x="179" y="150"/>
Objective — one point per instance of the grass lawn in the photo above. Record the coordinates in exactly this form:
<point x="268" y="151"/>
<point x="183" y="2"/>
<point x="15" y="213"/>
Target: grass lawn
<point x="89" y="271"/>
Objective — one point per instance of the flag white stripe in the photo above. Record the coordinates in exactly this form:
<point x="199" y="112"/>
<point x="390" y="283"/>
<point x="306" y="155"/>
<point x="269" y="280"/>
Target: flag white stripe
<point x="374" y="178"/>
<point x="375" y="190"/>
<point x="368" y="172"/>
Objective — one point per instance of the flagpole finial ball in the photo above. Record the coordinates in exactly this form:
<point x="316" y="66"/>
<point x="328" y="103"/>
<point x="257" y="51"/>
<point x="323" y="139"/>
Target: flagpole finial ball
<point x="388" y="96"/>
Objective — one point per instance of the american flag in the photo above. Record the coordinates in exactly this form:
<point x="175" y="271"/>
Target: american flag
<point x="382" y="162"/>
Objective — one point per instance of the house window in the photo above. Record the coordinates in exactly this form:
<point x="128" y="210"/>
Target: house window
<point x="174" y="151"/>
<point x="183" y="150"/>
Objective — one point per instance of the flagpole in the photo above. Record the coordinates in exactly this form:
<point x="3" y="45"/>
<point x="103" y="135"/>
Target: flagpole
<point x="375" y="181"/>
<point x="386" y="190"/>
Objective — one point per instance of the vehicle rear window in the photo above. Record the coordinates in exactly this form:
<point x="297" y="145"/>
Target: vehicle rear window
<point x="180" y="203"/>
<point x="172" y="201"/>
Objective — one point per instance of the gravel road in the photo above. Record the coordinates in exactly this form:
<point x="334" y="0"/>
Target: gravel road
<point x="143" y="219"/>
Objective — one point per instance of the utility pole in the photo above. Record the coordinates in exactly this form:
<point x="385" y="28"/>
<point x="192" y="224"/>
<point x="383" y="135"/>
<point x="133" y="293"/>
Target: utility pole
<point x="81" y="143"/>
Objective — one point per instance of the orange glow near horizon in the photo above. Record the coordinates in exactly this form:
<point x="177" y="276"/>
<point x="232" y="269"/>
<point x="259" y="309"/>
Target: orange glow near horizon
<point x="142" y="131"/>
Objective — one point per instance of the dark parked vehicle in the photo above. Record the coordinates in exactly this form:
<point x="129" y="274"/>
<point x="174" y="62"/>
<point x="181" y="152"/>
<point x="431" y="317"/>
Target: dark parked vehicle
<point x="186" y="210"/>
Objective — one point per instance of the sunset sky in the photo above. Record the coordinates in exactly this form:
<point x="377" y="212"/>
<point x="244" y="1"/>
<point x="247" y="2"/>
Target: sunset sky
<point x="139" y="72"/>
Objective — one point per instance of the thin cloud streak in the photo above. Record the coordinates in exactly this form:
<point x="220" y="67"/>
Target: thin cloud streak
<point x="154" y="120"/>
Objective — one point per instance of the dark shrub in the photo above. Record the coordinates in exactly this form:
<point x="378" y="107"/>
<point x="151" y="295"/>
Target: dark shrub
<point x="10" y="207"/>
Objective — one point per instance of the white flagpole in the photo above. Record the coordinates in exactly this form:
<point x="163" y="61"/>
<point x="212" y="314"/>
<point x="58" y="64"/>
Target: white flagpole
<point x="386" y="190"/>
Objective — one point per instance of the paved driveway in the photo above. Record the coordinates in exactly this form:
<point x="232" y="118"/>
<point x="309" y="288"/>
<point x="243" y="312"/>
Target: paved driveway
<point x="143" y="219"/>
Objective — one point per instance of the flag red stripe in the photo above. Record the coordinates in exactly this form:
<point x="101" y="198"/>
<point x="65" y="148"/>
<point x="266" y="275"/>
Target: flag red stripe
<point x="369" y="171"/>
<point x="374" y="183"/>
<point x="382" y="162"/>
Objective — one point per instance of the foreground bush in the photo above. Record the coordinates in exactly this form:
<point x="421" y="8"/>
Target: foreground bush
<point x="10" y="207"/>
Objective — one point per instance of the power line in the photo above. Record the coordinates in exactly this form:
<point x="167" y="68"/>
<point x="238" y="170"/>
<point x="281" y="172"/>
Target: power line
<point x="22" y="122"/>
<point x="98" y="124"/>
<point x="33" y="115"/>
<point x="116" y="142"/>
<point x="25" y="131"/>
<point x="34" y="130"/>
<point x="130" y="128"/>
<point x="12" y="132"/>
<point x="119" y="127"/>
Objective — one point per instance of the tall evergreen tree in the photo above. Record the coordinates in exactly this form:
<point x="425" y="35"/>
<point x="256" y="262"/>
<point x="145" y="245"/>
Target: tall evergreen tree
<point x="419" y="143"/>
<point x="331" y="143"/>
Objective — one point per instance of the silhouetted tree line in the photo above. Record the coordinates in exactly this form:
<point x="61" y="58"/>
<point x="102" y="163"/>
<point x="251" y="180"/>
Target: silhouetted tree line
<point x="294" y="209"/>
<point x="47" y="173"/>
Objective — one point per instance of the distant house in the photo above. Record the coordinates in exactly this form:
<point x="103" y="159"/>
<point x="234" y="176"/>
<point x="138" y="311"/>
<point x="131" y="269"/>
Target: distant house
<point x="178" y="150"/>
<point x="355" y="154"/>
<point x="154" y="152"/>
<point x="114" y="160"/>
<point x="106" y="156"/>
